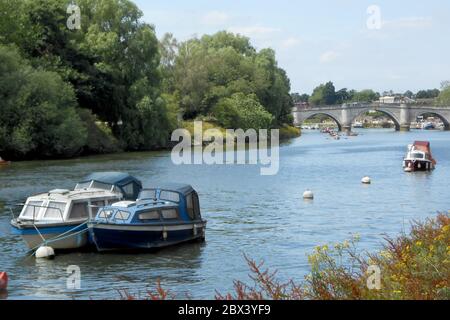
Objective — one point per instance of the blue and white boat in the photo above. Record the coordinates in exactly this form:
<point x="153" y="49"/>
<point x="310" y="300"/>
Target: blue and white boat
<point x="162" y="216"/>
<point x="59" y="217"/>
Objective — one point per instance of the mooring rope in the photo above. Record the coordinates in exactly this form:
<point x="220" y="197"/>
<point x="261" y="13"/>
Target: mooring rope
<point x="62" y="236"/>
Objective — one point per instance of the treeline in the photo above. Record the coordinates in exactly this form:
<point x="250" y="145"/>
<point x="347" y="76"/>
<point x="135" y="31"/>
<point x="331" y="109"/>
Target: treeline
<point x="326" y="94"/>
<point x="111" y="85"/>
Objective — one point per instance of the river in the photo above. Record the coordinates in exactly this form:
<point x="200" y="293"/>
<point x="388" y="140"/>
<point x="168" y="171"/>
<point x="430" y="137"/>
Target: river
<point x="264" y="217"/>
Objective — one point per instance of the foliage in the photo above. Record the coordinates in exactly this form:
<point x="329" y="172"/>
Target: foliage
<point x="289" y="132"/>
<point x="112" y="62"/>
<point x="297" y="98"/>
<point x="208" y="70"/>
<point x="243" y="112"/>
<point x="38" y="111"/>
<point x="427" y="94"/>
<point x="444" y="95"/>
<point x="325" y="94"/>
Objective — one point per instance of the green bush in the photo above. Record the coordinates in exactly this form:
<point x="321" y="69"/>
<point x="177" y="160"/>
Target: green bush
<point x="242" y="111"/>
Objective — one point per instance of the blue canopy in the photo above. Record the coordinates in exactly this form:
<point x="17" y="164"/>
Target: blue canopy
<point x="184" y="189"/>
<point x="128" y="185"/>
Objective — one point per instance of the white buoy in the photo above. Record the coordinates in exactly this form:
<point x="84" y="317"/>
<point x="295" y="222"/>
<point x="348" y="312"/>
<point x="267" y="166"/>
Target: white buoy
<point x="308" y="194"/>
<point x="366" y="180"/>
<point x="45" y="252"/>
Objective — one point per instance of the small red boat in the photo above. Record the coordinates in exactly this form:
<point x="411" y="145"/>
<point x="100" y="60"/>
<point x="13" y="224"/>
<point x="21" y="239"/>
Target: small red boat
<point x="419" y="157"/>
<point x="3" y="281"/>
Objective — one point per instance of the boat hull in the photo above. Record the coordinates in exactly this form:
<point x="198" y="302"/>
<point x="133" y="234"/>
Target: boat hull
<point x="75" y="239"/>
<point x="413" y="166"/>
<point x="111" y="237"/>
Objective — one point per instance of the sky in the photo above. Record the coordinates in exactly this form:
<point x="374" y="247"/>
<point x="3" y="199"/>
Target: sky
<point x="382" y="45"/>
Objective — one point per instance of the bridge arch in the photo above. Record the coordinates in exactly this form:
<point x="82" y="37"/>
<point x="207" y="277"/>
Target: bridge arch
<point x="444" y="120"/>
<point x="324" y="113"/>
<point x="389" y="114"/>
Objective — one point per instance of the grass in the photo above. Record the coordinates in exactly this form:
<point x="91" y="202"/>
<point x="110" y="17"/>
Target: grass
<point x="415" y="266"/>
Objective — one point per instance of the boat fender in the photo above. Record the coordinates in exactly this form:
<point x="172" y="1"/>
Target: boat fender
<point x="45" y="252"/>
<point x="195" y="229"/>
<point x="3" y="281"/>
<point x="366" y="180"/>
<point x="308" y="194"/>
<point x="164" y="233"/>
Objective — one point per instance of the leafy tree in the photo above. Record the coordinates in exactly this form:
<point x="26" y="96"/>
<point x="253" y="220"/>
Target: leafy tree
<point x="243" y="112"/>
<point x="38" y="111"/>
<point x="444" y="96"/>
<point x="427" y="94"/>
<point x="365" y="96"/>
<point x="296" y="97"/>
<point x="215" y="67"/>
<point x="324" y="94"/>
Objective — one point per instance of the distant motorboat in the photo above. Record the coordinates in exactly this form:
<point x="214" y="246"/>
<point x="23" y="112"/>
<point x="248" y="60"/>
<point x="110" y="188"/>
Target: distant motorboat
<point x="358" y="125"/>
<point x="419" y="158"/>
<point x="428" y="126"/>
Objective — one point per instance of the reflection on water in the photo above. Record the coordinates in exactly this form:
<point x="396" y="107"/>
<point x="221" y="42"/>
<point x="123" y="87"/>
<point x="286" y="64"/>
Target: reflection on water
<point x="262" y="216"/>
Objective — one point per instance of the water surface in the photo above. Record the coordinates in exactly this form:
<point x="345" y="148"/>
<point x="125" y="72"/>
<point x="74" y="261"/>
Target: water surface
<point x="261" y="216"/>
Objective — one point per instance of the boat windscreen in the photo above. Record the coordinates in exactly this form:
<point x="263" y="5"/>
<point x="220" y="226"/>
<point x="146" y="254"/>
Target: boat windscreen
<point x="55" y="210"/>
<point x="31" y="210"/>
<point x="83" y="185"/>
<point x="417" y="156"/>
<point x="147" y="194"/>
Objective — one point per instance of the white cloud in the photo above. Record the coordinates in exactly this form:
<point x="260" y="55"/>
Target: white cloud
<point x="290" y="42"/>
<point x="328" y="56"/>
<point x="215" y="18"/>
<point x="254" y="32"/>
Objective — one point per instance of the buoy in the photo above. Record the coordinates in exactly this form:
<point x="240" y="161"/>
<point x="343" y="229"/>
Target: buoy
<point x="366" y="180"/>
<point x="308" y="194"/>
<point x="45" y="252"/>
<point x="3" y="281"/>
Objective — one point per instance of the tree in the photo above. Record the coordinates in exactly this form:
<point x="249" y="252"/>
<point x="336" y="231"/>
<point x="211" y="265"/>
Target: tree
<point x="38" y="111"/>
<point x="367" y="95"/>
<point x="242" y="111"/>
<point x="444" y="97"/>
<point x="215" y="67"/>
<point x="324" y="94"/>
<point x="297" y="98"/>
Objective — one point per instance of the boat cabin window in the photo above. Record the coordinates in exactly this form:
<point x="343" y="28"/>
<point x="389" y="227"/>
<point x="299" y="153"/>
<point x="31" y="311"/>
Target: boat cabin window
<point x="149" y="215"/>
<point x="96" y="205"/>
<point x="128" y="189"/>
<point x="169" y="196"/>
<point x="55" y="210"/>
<point x="417" y="155"/>
<point x="122" y="215"/>
<point x="31" y="210"/>
<point x="169" y="214"/>
<point x="105" y="214"/>
<point x="101" y="185"/>
<point x="83" y="185"/>
<point x="193" y="206"/>
<point x="147" y="194"/>
<point x="79" y="210"/>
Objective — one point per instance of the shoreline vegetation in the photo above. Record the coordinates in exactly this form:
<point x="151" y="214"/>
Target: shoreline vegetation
<point x="412" y="266"/>
<point x="112" y="86"/>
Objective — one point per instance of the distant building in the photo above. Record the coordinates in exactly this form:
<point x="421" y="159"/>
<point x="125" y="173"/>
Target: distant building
<point x="395" y="100"/>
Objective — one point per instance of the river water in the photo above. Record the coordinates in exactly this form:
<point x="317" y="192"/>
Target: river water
<point x="263" y="217"/>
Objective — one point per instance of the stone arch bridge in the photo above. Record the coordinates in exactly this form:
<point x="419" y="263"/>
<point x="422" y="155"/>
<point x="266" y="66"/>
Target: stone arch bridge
<point x="344" y="115"/>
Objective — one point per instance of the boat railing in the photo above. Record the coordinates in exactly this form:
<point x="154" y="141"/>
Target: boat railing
<point x="40" y="206"/>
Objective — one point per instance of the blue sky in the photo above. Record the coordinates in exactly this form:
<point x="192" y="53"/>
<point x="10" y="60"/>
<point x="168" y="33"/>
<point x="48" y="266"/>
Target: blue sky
<point x="322" y="40"/>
